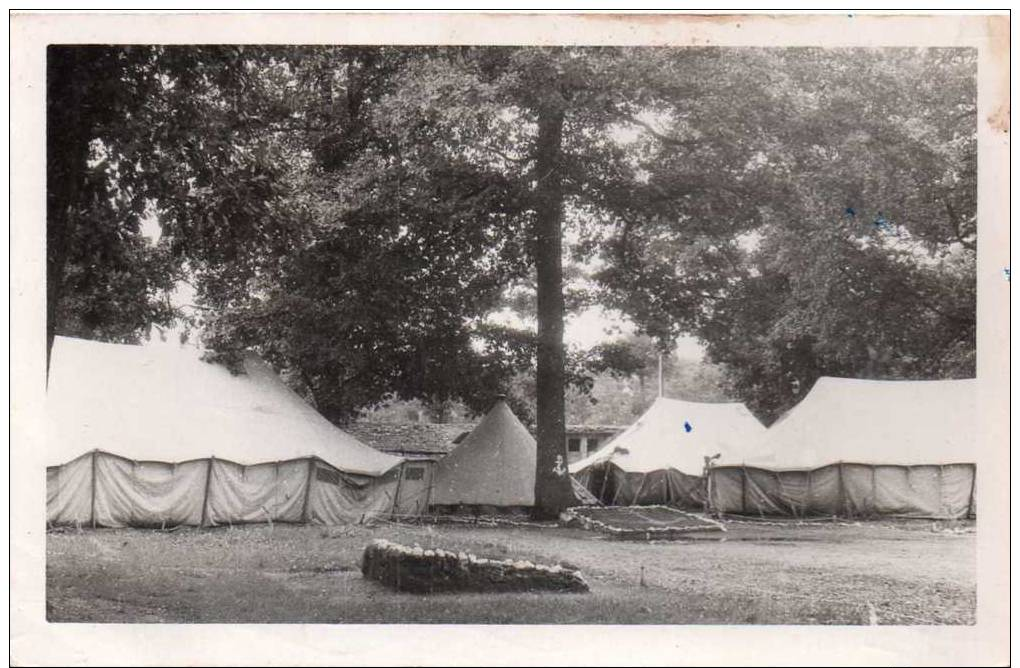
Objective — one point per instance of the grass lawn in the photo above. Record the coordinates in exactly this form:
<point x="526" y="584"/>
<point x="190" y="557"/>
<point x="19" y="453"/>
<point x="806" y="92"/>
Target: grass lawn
<point x="858" y="573"/>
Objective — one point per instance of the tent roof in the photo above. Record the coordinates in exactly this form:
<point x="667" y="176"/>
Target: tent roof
<point x="875" y="422"/>
<point x="163" y="403"/>
<point x="660" y="440"/>
<point x="493" y="465"/>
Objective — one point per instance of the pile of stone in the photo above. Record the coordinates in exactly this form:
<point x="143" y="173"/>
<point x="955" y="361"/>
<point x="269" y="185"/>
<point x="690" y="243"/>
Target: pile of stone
<point x="423" y="571"/>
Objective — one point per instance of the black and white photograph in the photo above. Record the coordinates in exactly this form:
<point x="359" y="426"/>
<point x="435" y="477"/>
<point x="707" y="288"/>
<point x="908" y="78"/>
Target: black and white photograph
<point x="517" y="334"/>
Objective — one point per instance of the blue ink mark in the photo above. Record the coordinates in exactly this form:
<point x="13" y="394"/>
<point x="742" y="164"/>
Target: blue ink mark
<point x="850" y="213"/>
<point x="1005" y="272"/>
<point x="687" y="427"/>
<point x="882" y="223"/>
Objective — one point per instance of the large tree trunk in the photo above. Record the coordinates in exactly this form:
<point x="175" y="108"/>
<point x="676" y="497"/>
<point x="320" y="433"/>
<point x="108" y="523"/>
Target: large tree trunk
<point x="67" y="151"/>
<point x="553" y="492"/>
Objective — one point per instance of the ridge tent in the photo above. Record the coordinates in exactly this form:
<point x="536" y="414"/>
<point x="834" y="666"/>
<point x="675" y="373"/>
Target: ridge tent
<point x="862" y="448"/>
<point x="493" y="466"/>
<point x="152" y="436"/>
<point x="660" y="459"/>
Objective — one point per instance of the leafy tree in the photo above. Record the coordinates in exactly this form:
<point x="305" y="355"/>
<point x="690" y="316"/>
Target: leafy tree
<point x="167" y="133"/>
<point x="356" y="213"/>
<point x="625" y="382"/>
<point x="409" y="245"/>
<point x="830" y="231"/>
<point x="103" y="278"/>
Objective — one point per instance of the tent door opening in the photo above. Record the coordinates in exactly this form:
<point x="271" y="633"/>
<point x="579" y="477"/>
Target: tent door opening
<point x="413" y="492"/>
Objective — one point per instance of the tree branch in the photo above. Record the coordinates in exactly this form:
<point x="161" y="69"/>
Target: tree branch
<point x="672" y="141"/>
<point x="496" y="151"/>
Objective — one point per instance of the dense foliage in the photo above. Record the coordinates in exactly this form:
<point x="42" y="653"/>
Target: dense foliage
<point x="829" y="230"/>
<point x="357" y="214"/>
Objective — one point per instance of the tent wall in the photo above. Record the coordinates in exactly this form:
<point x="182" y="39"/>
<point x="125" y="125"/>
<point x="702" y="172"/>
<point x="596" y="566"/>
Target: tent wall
<point x="69" y="492"/>
<point x="415" y="487"/>
<point x="847" y="490"/>
<point x="613" y="486"/>
<point x="101" y="489"/>
<point x="148" y="493"/>
<point x="260" y="493"/>
<point x="347" y="498"/>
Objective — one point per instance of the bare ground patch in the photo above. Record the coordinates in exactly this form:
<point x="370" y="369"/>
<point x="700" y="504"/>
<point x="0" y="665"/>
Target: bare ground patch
<point x="885" y="573"/>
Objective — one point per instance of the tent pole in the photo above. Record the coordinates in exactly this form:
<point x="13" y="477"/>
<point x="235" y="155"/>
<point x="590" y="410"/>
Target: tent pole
<point x="973" y="484"/>
<point x="874" y="490"/>
<point x="842" y="491"/>
<point x="605" y="480"/>
<point x="431" y="468"/>
<point x="637" y="494"/>
<point x="942" y="504"/>
<point x="783" y="496"/>
<point x="396" y="493"/>
<point x="205" y="499"/>
<point x="708" y="490"/>
<point x="308" y="489"/>
<point x="743" y="489"/>
<point x="809" y="501"/>
<point x="134" y="476"/>
<point x="93" y="504"/>
<point x="616" y="493"/>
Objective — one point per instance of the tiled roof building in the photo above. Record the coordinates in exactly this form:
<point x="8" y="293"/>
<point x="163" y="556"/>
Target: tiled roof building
<point x="410" y="439"/>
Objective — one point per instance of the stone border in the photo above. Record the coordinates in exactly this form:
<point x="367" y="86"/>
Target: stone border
<point x="572" y="516"/>
<point x="414" y="569"/>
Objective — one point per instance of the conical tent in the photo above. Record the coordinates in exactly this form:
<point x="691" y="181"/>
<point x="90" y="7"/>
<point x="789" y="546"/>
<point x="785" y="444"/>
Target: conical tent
<point x="862" y="447"/>
<point x="493" y="466"/>
<point x="661" y="457"/>
<point x="144" y="435"/>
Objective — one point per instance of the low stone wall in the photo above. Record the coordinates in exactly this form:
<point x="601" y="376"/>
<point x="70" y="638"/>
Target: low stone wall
<point x="418" y="570"/>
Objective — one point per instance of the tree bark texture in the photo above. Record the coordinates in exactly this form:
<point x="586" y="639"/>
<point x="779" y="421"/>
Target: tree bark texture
<point x="553" y="492"/>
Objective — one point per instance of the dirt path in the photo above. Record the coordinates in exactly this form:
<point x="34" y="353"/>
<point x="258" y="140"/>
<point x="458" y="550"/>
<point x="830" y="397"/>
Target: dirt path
<point x="827" y="574"/>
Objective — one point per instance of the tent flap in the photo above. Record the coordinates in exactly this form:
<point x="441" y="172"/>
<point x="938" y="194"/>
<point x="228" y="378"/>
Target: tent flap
<point x="340" y="503"/>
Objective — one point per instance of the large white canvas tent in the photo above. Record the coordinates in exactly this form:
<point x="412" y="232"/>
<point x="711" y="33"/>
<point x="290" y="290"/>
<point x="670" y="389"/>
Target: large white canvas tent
<point x="494" y="466"/>
<point x="154" y="436"/>
<point x="661" y="457"/>
<point x="862" y="448"/>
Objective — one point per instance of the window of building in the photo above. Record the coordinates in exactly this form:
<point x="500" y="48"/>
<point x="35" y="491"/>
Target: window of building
<point x="573" y="445"/>
<point x="414" y="473"/>
<point x="593" y="444"/>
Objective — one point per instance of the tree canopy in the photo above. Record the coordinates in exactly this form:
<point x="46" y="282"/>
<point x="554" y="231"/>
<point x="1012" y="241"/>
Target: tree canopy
<point x="844" y="218"/>
<point x="356" y="214"/>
